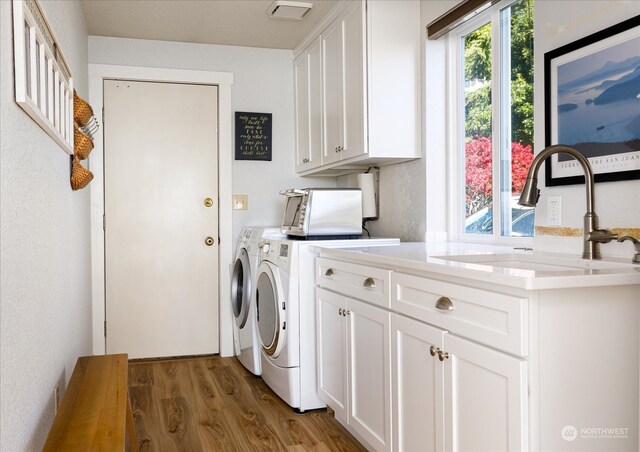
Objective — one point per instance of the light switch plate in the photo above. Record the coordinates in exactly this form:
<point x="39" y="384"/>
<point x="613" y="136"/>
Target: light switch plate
<point x="553" y="211"/>
<point x="240" y="202"/>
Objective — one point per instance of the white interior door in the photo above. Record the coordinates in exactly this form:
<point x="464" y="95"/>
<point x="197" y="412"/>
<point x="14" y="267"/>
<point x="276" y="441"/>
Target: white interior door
<point x="160" y="165"/>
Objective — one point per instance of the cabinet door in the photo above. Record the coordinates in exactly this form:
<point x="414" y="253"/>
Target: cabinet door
<point x="331" y="41"/>
<point x="332" y="351"/>
<point x="301" y="86"/>
<point x="369" y="373"/>
<point x="353" y="73"/>
<point x="314" y="57"/>
<point x="485" y="398"/>
<point x="307" y="71"/>
<point x="417" y="381"/>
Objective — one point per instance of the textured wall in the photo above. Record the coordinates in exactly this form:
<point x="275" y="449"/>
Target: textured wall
<point x="263" y="82"/>
<point x="45" y="303"/>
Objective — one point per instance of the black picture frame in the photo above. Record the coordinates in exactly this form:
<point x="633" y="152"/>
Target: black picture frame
<point x="253" y="136"/>
<point x="611" y="160"/>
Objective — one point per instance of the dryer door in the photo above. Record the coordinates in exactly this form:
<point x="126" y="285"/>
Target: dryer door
<point x="241" y="288"/>
<point x="270" y="309"/>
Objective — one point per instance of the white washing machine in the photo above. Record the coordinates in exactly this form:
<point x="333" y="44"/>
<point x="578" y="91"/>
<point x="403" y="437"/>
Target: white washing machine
<point x="286" y="315"/>
<point x="243" y="276"/>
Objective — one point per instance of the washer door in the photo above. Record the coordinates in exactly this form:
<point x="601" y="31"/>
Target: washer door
<point x="270" y="309"/>
<point x="241" y="288"/>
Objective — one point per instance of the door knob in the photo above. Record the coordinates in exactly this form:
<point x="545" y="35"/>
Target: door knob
<point x="208" y="202"/>
<point x="209" y="241"/>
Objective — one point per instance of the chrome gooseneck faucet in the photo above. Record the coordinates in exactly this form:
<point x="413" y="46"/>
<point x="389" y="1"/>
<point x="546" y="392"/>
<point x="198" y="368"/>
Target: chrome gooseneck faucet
<point x="593" y="235"/>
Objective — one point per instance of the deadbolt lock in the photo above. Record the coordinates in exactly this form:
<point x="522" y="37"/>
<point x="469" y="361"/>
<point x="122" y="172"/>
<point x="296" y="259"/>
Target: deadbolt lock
<point x="208" y="202"/>
<point x="209" y="241"/>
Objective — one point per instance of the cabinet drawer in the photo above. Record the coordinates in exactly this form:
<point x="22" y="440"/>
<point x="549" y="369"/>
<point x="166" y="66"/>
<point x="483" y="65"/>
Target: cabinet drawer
<point x="358" y="281"/>
<point x="491" y="318"/>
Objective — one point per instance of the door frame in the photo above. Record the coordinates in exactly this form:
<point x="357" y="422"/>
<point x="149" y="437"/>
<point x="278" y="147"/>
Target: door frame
<point x="224" y="80"/>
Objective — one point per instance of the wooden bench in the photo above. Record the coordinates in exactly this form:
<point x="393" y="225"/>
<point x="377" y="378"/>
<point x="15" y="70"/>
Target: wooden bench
<point x="95" y="413"/>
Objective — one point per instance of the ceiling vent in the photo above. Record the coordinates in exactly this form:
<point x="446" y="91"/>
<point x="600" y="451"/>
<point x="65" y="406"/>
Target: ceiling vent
<point x="285" y="9"/>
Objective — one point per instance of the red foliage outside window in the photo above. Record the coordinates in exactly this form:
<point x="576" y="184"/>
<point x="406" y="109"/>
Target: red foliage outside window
<point x="478" y="174"/>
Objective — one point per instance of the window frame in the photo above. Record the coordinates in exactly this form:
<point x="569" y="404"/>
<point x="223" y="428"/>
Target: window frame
<point x="500" y="71"/>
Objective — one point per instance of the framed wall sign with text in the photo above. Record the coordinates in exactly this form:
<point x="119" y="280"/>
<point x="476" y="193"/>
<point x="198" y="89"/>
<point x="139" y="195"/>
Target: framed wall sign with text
<point x="253" y="136"/>
<point x="592" y="103"/>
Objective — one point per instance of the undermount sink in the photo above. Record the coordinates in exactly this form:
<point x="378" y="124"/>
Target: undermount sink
<point x="534" y="262"/>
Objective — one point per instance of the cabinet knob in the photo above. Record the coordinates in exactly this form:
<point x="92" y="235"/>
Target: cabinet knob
<point x="442" y="355"/>
<point x="369" y="282"/>
<point x="433" y="350"/>
<point x="305" y="160"/>
<point x="329" y="272"/>
<point x="444" y="304"/>
<point x="340" y="311"/>
<point x="348" y="313"/>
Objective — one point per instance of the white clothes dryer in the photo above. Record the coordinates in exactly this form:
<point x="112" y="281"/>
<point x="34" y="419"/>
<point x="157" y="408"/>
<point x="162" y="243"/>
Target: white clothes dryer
<point x="286" y="316"/>
<point x="242" y="295"/>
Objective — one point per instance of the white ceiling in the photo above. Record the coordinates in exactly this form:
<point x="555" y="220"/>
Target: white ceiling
<point x="226" y="22"/>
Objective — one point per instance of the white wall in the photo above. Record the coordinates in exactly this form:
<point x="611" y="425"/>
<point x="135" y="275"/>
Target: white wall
<point x="263" y="82"/>
<point x="617" y="203"/>
<point x="45" y="305"/>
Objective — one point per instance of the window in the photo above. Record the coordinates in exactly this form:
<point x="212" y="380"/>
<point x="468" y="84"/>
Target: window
<point x="492" y="99"/>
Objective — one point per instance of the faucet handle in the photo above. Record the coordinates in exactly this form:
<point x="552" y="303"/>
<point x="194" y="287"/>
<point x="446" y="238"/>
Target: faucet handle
<point x="636" y="244"/>
<point x="602" y="236"/>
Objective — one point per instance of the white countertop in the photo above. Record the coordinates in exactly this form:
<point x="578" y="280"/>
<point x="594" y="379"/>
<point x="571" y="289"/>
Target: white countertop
<point x="546" y="270"/>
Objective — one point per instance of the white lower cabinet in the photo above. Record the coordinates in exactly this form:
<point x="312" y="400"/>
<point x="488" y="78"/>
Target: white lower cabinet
<point x="451" y="393"/>
<point x="354" y="372"/>
<point x="332" y="351"/>
<point x="418" y="395"/>
<point x="485" y="398"/>
<point x="476" y="366"/>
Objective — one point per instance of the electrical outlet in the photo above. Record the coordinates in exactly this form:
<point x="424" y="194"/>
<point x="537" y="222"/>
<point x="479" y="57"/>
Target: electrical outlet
<point x="240" y="202"/>
<point x="56" y="397"/>
<point x="553" y="211"/>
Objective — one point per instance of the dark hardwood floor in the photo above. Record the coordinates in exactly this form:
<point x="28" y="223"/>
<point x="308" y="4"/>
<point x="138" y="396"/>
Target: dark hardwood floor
<point x="215" y="404"/>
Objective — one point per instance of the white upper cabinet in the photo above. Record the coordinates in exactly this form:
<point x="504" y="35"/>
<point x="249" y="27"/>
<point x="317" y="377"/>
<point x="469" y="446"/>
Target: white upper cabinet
<point x="369" y="74"/>
<point x="343" y="94"/>
<point x="308" y="95"/>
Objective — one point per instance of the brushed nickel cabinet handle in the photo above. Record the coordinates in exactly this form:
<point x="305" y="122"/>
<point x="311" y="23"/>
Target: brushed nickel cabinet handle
<point x="433" y="350"/>
<point x="340" y="311"/>
<point x="444" y="304"/>
<point x="370" y="283"/>
<point x="442" y="355"/>
<point x="329" y="272"/>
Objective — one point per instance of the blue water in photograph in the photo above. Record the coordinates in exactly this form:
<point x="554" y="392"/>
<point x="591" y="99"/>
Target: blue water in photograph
<point x="599" y="101"/>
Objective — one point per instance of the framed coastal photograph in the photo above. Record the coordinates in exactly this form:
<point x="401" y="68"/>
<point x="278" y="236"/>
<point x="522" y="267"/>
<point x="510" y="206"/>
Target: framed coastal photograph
<point x="592" y="103"/>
